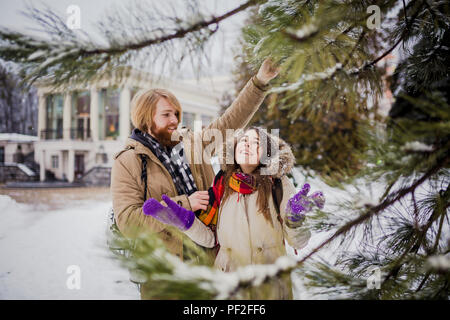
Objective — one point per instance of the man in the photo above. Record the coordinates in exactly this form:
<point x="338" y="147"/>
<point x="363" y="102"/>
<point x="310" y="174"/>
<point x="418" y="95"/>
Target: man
<point x="153" y="164"/>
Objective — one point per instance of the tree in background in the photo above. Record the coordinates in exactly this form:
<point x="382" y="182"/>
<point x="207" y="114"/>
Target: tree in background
<point x="324" y="139"/>
<point x="18" y="104"/>
<point x="329" y="52"/>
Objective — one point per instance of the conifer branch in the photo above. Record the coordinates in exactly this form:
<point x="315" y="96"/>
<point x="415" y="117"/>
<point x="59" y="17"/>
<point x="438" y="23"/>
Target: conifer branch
<point x="350" y="225"/>
<point x="435" y="247"/>
<point x="381" y="207"/>
<point x="400" y="39"/>
<point x="67" y="58"/>
<point x="416" y="243"/>
<point x="181" y="33"/>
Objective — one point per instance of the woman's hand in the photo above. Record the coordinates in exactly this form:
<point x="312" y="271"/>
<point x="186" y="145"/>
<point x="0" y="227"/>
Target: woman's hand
<point x="199" y="200"/>
<point x="300" y="204"/>
<point x="267" y="71"/>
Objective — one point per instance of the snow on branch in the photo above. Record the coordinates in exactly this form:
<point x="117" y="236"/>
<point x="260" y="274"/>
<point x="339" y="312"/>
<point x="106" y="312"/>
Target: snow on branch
<point x="417" y="146"/>
<point x="134" y="37"/>
<point x="327" y="73"/>
<point x="305" y="32"/>
<point x="224" y="285"/>
<point x="439" y="263"/>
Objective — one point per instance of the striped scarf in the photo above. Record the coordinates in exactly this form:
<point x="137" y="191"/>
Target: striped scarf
<point x="239" y="182"/>
<point x="242" y="183"/>
<point x="172" y="159"/>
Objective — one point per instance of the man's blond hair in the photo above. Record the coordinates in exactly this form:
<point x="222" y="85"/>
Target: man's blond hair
<point x="143" y="106"/>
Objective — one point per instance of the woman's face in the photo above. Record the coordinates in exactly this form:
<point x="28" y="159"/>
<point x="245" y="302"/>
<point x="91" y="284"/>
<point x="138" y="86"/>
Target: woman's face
<point x="247" y="150"/>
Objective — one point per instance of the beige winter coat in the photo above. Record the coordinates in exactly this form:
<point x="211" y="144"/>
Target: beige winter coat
<point x="246" y="237"/>
<point x="128" y="189"/>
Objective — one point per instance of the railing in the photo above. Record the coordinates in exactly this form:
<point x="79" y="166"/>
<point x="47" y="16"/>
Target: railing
<point x="80" y="134"/>
<point x="51" y="134"/>
<point x="74" y="134"/>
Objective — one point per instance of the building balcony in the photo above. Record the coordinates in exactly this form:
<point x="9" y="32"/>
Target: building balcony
<point x="80" y="134"/>
<point x="51" y="134"/>
<point x="73" y="133"/>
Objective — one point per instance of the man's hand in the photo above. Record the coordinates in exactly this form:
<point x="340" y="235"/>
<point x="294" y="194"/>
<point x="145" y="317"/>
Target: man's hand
<point x="267" y="71"/>
<point x="199" y="200"/>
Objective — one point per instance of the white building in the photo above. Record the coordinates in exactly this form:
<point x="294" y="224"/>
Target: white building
<point x="83" y="128"/>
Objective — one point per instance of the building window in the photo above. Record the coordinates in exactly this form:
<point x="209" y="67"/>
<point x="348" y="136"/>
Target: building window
<point x="55" y="162"/>
<point x="109" y="114"/>
<point x="54" y="117"/>
<point x="188" y="120"/>
<point x="81" y="116"/>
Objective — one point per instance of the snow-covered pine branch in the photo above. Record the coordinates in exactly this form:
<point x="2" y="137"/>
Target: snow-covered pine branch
<point x="124" y="41"/>
<point x="223" y="285"/>
<point x="417" y="146"/>
<point x="327" y="73"/>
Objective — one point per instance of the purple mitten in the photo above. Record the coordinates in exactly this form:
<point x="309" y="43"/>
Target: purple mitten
<point x="173" y="214"/>
<point x="300" y="204"/>
<point x="186" y="216"/>
<point x="318" y="198"/>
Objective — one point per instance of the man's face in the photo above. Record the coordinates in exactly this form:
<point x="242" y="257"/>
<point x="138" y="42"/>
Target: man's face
<point x="165" y="122"/>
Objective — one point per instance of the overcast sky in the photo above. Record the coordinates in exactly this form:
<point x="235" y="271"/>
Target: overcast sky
<point x="93" y="10"/>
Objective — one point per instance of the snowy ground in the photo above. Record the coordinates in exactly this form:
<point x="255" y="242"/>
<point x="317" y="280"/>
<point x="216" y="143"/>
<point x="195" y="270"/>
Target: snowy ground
<point x="45" y="232"/>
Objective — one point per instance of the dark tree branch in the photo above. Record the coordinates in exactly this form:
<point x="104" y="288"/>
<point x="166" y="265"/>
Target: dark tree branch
<point x="406" y="18"/>
<point x="416" y="243"/>
<point x="177" y="35"/>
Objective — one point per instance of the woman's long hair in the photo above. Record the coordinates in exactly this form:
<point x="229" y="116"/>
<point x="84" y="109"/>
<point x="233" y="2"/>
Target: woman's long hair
<point x="263" y="182"/>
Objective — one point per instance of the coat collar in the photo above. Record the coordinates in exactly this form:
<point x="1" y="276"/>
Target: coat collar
<point x="139" y="148"/>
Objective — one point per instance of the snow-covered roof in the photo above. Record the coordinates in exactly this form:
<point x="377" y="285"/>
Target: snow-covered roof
<point x="17" y="137"/>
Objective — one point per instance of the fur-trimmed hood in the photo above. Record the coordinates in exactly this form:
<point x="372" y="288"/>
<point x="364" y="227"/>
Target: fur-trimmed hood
<point x="283" y="161"/>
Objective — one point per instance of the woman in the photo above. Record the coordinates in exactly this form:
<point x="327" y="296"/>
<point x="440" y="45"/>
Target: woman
<point x="244" y="217"/>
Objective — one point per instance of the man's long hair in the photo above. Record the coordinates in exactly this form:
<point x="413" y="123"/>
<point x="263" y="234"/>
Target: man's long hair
<point x="143" y="106"/>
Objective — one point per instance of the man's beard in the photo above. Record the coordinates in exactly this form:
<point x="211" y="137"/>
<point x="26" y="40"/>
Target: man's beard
<point x="164" y="137"/>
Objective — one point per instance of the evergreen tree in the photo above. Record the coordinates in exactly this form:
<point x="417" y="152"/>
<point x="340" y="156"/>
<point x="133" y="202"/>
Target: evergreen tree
<point x="324" y="136"/>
